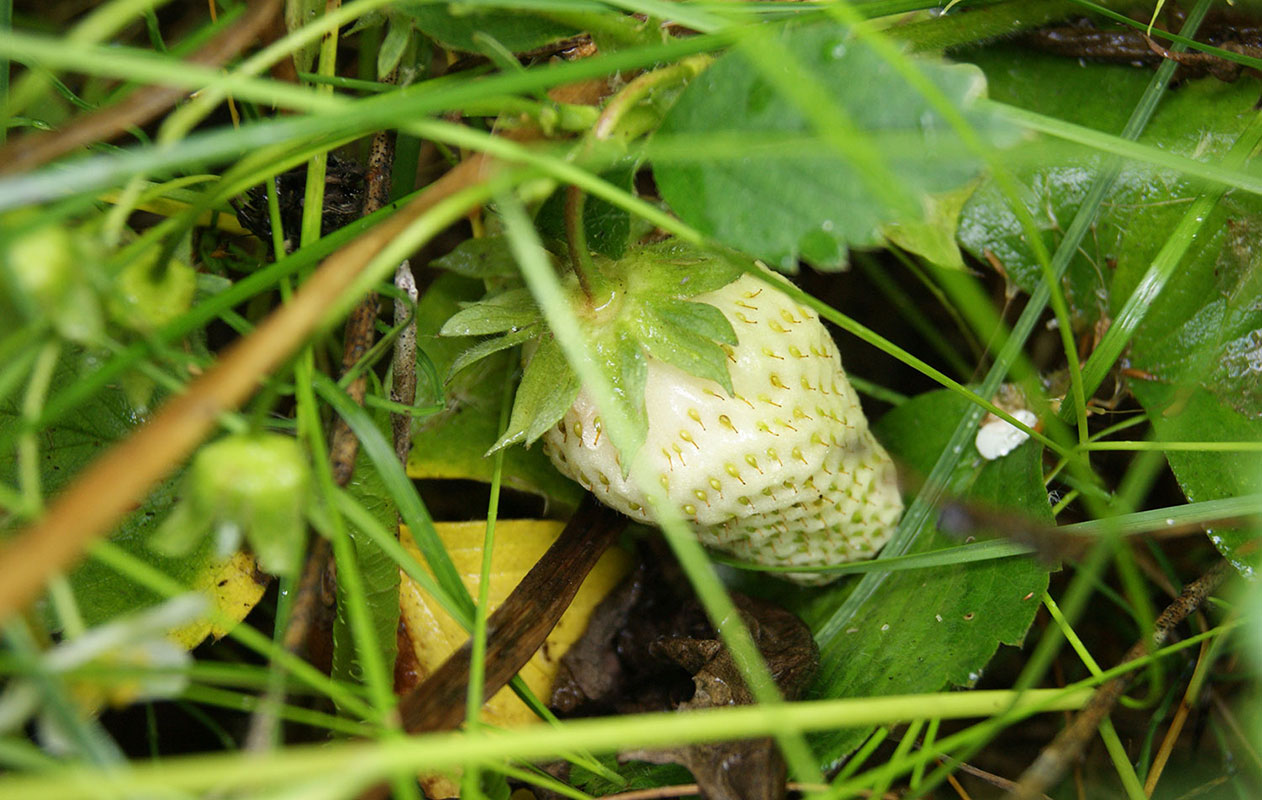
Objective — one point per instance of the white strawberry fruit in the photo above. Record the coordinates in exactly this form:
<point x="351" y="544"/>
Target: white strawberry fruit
<point x="741" y="406"/>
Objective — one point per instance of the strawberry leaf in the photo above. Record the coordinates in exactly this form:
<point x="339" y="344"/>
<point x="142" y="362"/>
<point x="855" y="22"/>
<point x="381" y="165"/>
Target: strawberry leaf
<point x="921" y="630"/>
<point x="455" y="25"/>
<point x="508" y="311"/>
<point x="490" y="346"/>
<point x="700" y="318"/>
<point x="629" y="380"/>
<point x="451" y="444"/>
<point x="1194" y="355"/>
<point x="934" y="237"/>
<point x="380" y="574"/>
<point x="483" y="257"/>
<point x="69" y="445"/>
<point x="548" y="388"/>
<point x="672" y="269"/>
<point x="608" y="227"/>
<point x="772" y="181"/>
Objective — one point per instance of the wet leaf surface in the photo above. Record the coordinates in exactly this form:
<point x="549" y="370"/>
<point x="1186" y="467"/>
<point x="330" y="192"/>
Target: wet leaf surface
<point x="926" y="629"/>
<point x="463" y="26"/>
<point x="1199" y="119"/>
<point x="380" y="576"/>
<point x="1195" y="362"/>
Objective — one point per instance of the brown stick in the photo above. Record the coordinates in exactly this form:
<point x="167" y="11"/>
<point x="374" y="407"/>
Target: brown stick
<point x="521" y="623"/>
<point x="344" y="447"/>
<point x="115" y="483"/>
<point x="1056" y="757"/>
<point x="40" y="147"/>
<point x="1162" y="757"/>
<point x="988" y="777"/>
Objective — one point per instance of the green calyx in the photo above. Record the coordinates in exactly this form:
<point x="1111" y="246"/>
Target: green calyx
<point x="640" y="308"/>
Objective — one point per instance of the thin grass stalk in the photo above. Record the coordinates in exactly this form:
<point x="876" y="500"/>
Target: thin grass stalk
<point x="924" y="502"/>
<point x="437" y="751"/>
<point x="477" y="659"/>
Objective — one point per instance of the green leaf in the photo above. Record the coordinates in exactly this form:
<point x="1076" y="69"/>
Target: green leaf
<point x="769" y="185"/>
<point x="627" y="369"/>
<point x="376" y="447"/>
<point x="926" y="629"/>
<point x="507" y="311"/>
<point x="453" y="25"/>
<point x="483" y="257"/>
<point x="1193" y="359"/>
<point x="635" y="774"/>
<point x="1201" y="120"/>
<point x="451" y="444"/>
<point x="692" y="352"/>
<point x="380" y="576"/>
<point x="1199" y="352"/>
<point x="934" y="237"/>
<point x="67" y="447"/>
<point x="608" y="227"/>
<point x="398" y="34"/>
<point x="547" y="390"/>
<point x="489" y="347"/>
<point x="297" y="14"/>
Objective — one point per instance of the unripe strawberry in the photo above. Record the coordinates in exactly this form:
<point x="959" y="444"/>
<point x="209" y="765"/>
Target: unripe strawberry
<point x="763" y="448"/>
<point x="783" y="472"/>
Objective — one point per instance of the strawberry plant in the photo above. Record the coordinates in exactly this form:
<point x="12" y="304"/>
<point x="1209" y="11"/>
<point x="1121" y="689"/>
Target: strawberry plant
<point x="866" y="354"/>
<point x="756" y="438"/>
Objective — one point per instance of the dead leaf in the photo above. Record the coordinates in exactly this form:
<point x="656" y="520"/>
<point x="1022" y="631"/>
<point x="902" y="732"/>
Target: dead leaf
<point x="650" y="647"/>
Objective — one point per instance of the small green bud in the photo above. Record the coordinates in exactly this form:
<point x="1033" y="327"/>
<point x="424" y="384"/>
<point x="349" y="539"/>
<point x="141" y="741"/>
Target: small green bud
<point x="42" y="264"/>
<point x="256" y="484"/>
<point x="45" y="274"/>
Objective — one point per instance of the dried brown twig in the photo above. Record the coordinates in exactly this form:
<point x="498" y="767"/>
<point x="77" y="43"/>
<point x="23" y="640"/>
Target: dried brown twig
<point x="1056" y="757"/>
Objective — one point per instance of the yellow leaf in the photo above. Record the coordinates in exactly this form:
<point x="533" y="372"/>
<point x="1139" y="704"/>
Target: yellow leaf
<point x="234" y="588"/>
<point x="518" y="545"/>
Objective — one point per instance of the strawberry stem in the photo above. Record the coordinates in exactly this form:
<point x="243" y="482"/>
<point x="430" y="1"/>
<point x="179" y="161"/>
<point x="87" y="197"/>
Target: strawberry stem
<point x="635" y="91"/>
<point x="580" y="256"/>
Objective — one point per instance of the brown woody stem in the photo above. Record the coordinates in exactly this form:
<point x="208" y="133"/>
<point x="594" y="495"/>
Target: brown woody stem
<point x="343" y="447"/>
